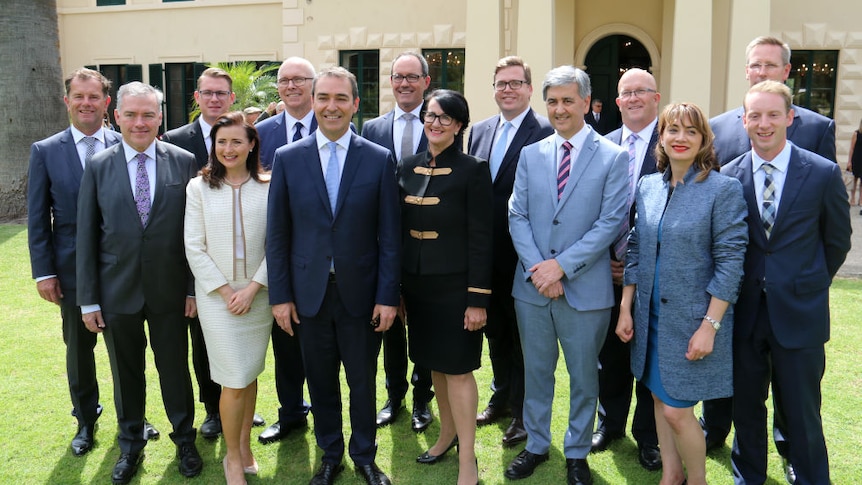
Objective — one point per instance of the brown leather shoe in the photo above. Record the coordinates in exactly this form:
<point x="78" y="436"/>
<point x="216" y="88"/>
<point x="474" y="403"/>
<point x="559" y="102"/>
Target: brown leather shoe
<point x="490" y="415"/>
<point x="515" y="433"/>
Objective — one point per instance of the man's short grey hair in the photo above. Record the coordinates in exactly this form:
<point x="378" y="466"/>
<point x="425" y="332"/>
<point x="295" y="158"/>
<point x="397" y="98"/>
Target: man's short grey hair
<point x="137" y="88"/>
<point x="419" y="57"/>
<point x="565" y="75"/>
<point x="769" y="40"/>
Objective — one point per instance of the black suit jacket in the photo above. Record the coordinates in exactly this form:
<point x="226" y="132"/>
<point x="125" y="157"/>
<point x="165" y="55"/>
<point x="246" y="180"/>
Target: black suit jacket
<point x="603" y="126"/>
<point x="190" y="138"/>
<point x="121" y="264"/>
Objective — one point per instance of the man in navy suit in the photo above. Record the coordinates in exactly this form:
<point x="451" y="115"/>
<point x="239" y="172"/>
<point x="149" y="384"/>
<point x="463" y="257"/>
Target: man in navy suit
<point x="799" y="235"/>
<point x="499" y="139"/>
<point x="334" y="255"/>
<point x="638" y="100"/>
<point x="401" y="131"/>
<point x="600" y="122"/>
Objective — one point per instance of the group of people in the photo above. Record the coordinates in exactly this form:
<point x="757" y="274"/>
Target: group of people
<point x="545" y="235"/>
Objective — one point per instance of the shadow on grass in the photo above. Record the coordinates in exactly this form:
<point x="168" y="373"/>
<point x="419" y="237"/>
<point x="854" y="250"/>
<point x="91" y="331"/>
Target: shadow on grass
<point x="8" y="231"/>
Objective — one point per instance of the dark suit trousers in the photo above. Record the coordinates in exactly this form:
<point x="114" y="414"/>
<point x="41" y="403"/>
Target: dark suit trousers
<point x="210" y="392"/>
<point x="395" y="367"/>
<point x="127" y="343"/>
<point x="757" y="360"/>
<point x="329" y="339"/>
<point x="80" y="360"/>
<point x="289" y="376"/>
<point x="504" y="349"/>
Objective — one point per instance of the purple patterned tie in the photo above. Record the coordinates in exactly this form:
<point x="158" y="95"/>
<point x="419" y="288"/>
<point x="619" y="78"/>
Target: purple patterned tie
<point x="142" y="189"/>
<point x="622" y="240"/>
<point x="563" y="172"/>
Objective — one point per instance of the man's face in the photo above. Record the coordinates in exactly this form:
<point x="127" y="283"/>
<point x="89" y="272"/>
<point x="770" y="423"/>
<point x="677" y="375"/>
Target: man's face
<point x="766" y="120"/>
<point x="297" y="99"/>
<point x="408" y="94"/>
<point x="139" y="120"/>
<point x="214" y="97"/>
<point x="637" y="110"/>
<point x="87" y="104"/>
<point x="566" y="109"/>
<point x="597" y="106"/>
<point x="764" y="62"/>
<point x="334" y="106"/>
<point x="512" y="102"/>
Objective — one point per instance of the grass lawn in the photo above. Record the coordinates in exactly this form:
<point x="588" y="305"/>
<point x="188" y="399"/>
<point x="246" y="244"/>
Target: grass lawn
<point x="36" y="427"/>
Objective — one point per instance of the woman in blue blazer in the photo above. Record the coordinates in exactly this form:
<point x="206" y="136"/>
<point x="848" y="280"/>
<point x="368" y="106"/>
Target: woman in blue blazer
<point x="683" y="271"/>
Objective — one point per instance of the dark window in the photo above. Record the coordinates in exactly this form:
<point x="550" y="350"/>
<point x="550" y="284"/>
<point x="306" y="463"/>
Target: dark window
<point x="812" y="80"/>
<point x="106" y="3"/>
<point x="365" y="65"/>
<point x="119" y="74"/>
<point x="446" y="68"/>
<point x="179" y="88"/>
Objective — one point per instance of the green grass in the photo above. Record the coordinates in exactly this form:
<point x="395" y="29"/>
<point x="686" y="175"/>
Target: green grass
<point x="36" y="427"/>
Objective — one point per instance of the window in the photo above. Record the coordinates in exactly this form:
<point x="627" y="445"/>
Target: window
<point x="179" y="87"/>
<point x="365" y="65"/>
<point x="106" y="3"/>
<point x="119" y="74"/>
<point x="812" y="80"/>
<point x="446" y="68"/>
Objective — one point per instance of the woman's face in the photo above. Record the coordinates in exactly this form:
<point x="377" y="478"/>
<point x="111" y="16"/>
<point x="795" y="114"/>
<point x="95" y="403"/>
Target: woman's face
<point x="232" y="146"/>
<point x="681" y="140"/>
<point x="437" y="131"/>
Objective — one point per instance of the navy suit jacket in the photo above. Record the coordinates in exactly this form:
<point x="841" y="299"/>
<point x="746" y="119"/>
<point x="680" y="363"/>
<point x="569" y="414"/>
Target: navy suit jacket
<point x="795" y="266"/>
<point x="603" y="126"/>
<point x="273" y="135"/>
<point x="363" y="237"/>
<point x="647" y="167"/>
<point x="379" y="130"/>
<point x="52" y="205"/>
<point x="810" y="131"/>
<point x="190" y="138"/>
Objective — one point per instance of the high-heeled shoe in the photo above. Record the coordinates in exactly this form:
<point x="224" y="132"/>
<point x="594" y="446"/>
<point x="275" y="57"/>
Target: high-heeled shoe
<point x="224" y="462"/>
<point x="429" y="459"/>
<point x="251" y="470"/>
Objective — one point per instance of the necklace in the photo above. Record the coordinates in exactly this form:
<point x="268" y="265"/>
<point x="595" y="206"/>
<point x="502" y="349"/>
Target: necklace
<point x="237" y="184"/>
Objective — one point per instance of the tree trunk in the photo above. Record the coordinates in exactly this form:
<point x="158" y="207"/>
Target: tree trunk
<point x="31" y="90"/>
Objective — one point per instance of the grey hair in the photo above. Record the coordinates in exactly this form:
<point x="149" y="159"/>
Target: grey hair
<point x="565" y="75"/>
<point x="137" y="88"/>
<point x="768" y="40"/>
<point x="420" y="58"/>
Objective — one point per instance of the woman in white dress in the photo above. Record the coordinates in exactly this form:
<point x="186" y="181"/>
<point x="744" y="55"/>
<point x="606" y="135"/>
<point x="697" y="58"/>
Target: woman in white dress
<point x="225" y="228"/>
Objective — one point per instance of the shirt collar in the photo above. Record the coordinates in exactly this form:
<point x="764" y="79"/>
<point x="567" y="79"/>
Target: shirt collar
<point x="77" y="134"/>
<point x="206" y="128"/>
<point x="305" y="120"/>
<point x="322" y="140"/>
<point x="516" y="121"/>
<point x="577" y="140"/>
<point x="132" y="153"/>
<point x="645" y="134"/>
<point x="780" y="162"/>
<point x="399" y="112"/>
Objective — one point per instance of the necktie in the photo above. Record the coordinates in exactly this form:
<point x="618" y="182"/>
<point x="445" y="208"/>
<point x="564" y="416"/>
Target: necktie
<point x="297" y="131"/>
<point x="142" y="189"/>
<point x="622" y="241"/>
<point x="332" y="176"/>
<point x="91" y="148"/>
<point x="499" y="150"/>
<point x="768" y="212"/>
<point x="597" y="117"/>
<point x="407" y="135"/>
<point x="563" y="172"/>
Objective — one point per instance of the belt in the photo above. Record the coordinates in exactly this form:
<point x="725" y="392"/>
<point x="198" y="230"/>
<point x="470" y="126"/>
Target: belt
<point x="423" y="234"/>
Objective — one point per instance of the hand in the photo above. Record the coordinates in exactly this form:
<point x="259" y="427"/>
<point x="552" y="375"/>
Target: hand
<point x="700" y="344"/>
<point x="191" y="307"/>
<point x="554" y="291"/>
<point x="617" y="270"/>
<point x="475" y="318"/>
<point x="625" y="326"/>
<point x="241" y="300"/>
<point x="50" y="290"/>
<point x="386" y="314"/>
<point x="545" y="274"/>
<point x="94" y="321"/>
<point x="285" y="315"/>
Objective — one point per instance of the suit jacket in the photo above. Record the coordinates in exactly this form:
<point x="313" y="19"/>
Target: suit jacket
<point x="603" y="126"/>
<point x="533" y="128"/>
<point x="52" y="205"/>
<point x="810" y="131"/>
<point x="576" y="230"/>
<point x="809" y="241"/>
<point x="703" y="234"/>
<point x="647" y="166"/>
<point x="273" y="135"/>
<point x="379" y="130"/>
<point x="121" y="264"/>
<point x="363" y="237"/>
<point x="190" y="138"/>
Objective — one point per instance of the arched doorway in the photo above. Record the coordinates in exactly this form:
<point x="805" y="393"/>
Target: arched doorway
<point x="605" y="62"/>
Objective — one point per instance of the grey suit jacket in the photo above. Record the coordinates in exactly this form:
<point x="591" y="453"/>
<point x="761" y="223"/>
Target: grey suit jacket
<point x="576" y="230"/>
<point x="379" y="130"/>
<point x="121" y="264"/>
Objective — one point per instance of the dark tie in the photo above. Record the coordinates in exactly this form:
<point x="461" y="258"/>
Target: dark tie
<point x="91" y="148"/>
<point x="622" y="241"/>
<point x="297" y="132"/>
<point x="499" y="150"/>
<point x="767" y="214"/>
<point x="142" y="189"/>
<point x="407" y="135"/>
<point x="563" y="172"/>
<point x="332" y="176"/>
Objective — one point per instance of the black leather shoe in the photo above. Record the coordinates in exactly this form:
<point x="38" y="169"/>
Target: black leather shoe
<point x="150" y="431"/>
<point x="789" y="472"/>
<point x="578" y="472"/>
<point x="524" y="465"/>
<point x="515" y="433"/>
<point x="490" y="415"/>
<point x="278" y="430"/>
<point x="326" y="473"/>
<point x="713" y="442"/>
<point x="602" y="438"/>
<point x="389" y="412"/>
<point x="372" y="474"/>
<point x="649" y="457"/>
<point x="83" y="441"/>
<point x="429" y="459"/>
<point x="211" y="427"/>
<point x="421" y="418"/>
<point x="257" y="420"/>
<point x="191" y="463"/>
<point x="126" y="467"/>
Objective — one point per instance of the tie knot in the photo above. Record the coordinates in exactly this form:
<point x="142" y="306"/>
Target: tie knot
<point x="567" y="145"/>
<point x="632" y="138"/>
<point x="90" y="141"/>
<point x="333" y="147"/>
<point x="142" y="158"/>
<point x="768" y="168"/>
<point x="408" y="117"/>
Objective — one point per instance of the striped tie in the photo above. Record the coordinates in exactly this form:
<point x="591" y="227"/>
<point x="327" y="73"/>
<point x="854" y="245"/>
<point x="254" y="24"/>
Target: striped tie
<point x="767" y="214"/>
<point x="622" y="241"/>
<point x="563" y="172"/>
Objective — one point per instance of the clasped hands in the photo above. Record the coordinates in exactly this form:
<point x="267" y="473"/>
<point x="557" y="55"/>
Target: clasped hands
<point x="286" y="316"/>
<point x="546" y="278"/>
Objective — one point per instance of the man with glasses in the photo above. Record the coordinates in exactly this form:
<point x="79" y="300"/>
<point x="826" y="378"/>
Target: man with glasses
<point x="499" y="139"/>
<point x="401" y="131"/>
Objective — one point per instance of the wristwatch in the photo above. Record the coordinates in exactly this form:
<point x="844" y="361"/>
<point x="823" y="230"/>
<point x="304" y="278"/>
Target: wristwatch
<point x="715" y="323"/>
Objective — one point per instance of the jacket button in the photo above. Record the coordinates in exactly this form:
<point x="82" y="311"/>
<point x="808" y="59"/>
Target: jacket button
<point x="556" y="222"/>
<point x="664" y="300"/>
<point x="553" y="251"/>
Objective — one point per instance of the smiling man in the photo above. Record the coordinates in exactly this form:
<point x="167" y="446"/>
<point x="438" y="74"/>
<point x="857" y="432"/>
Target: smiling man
<point x="297" y="120"/>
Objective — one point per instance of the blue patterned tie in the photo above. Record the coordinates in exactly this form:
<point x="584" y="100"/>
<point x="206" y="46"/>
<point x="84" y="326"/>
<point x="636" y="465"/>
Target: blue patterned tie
<point x="142" y="189"/>
<point x="333" y="178"/>
<point x="499" y="150"/>
<point x="767" y="214"/>
<point x="297" y="132"/>
<point x="563" y="172"/>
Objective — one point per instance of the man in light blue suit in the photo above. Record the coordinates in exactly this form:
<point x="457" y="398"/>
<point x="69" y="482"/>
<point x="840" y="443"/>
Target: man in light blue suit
<point x="568" y="203"/>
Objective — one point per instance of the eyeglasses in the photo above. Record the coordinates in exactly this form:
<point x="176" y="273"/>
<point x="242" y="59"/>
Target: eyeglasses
<point x="297" y="81"/>
<point x="514" y="85"/>
<point x="444" y="119"/>
<point x="410" y="78"/>
<point x="218" y="94"/>
<point x="759" y="67"/>
<point x="638" y="93"/>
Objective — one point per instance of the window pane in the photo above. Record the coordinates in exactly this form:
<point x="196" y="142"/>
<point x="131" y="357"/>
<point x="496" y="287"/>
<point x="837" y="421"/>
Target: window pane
<point x="446" y="68"/>
<point x="365" y="65"/>
<point x="105" y="3"/>
<point x="812" y="80"/>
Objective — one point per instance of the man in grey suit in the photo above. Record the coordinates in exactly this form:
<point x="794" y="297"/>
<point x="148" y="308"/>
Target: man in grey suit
<point x="499" y="139"/>
<point x="401" y="131"/>
<point x="567" y="206"/>
<point x="131" y="267"/>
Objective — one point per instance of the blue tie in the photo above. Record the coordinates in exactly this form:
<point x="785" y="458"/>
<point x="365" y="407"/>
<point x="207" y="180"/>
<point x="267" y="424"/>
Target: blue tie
<point x="297" y="131"/>
<point x="499" y="150"/>
<point x="332" y="176"/>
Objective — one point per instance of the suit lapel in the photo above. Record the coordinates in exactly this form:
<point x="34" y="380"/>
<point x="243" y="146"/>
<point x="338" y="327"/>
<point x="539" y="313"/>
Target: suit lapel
<point x="311" y="161"/>
<point x="797" y="172"/>
<point x="71" y="157"/>
<point x="797" y="122"/>
<point x="745" y="176"/>
<point x="163" y="167"/>
<point x="525" y="131"/>
<point x="578" y="167"/>
<point x="742" y="141"/>
<point x="123" y="184"/>
<point x="351" y="165"/>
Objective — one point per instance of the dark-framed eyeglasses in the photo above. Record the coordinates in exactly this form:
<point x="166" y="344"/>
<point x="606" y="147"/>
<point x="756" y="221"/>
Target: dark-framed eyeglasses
<point x="444" y="119"/>
<point x="218" y="94"/>
<point x="297" y="81"/>
<point x="514" y="85"/>
<point x="410" y="78"/>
